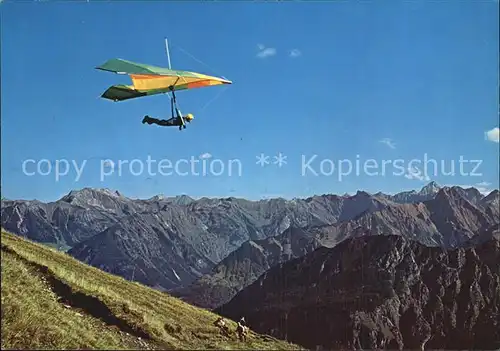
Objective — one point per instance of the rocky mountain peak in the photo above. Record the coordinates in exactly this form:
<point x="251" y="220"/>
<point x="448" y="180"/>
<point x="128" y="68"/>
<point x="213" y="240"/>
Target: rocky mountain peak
<point x="431" y="188"/>
<point x="181" y="200"/>
<point x="492" y="196"/>
<point x="362" y="194"/>
<point x="89" y="193"/>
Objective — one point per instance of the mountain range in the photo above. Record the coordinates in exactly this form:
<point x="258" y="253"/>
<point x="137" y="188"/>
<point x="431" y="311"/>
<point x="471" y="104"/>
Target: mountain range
<point x="182" y="244"/>
<point x="448" y="220"/>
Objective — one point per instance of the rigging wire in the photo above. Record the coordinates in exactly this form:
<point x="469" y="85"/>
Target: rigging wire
<point x="212" y="99"/>
<point x="221" y="91"/>
<point x="198" y="60"/>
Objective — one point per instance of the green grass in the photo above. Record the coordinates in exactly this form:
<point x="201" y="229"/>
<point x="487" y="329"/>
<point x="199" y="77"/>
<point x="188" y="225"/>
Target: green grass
<point x="53" y="301"/>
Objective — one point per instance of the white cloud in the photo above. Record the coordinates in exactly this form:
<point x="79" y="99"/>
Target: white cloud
<point x="415" y="173"/>
<point x="205" y="155"/>
<point x="483" y="187"/>
<point x="493" y="135"/>
<point x="483" y="190"/>
<point x="388" y="142"/>
<point x="265" y="52"/>
<point x="295" y="53"/>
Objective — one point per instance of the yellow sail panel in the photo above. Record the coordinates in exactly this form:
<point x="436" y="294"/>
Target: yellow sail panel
<point x="149" y="82"/>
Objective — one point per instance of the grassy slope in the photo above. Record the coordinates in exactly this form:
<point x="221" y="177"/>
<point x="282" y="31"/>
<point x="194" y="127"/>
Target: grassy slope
<point x="50" y="300"/>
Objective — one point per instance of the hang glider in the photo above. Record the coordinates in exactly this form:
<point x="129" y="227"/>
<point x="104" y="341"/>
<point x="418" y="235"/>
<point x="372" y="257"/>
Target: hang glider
<point x="151" y="80"/>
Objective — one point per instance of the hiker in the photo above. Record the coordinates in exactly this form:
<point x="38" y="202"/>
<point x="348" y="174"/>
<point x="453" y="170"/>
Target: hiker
<point x="221" y="324"/>
<point x="242" y="329"/>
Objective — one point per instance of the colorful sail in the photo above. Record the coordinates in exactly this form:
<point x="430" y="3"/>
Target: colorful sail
<point x="152" y="80"/>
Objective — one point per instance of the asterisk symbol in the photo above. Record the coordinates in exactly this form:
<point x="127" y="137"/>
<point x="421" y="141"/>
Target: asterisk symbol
<point x="262" y="160"/>
<point x="280" y="159"/>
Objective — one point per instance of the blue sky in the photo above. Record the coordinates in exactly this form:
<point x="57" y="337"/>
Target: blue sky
<point x="384" y="82"/>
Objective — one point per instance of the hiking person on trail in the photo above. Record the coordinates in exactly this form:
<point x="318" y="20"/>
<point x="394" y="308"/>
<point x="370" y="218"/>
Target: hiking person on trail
<point x="221" y="324"/>
<point x="242" y="329"/>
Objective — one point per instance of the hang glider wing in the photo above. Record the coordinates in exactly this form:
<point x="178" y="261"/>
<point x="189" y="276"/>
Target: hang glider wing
<point x="152" y="80"/>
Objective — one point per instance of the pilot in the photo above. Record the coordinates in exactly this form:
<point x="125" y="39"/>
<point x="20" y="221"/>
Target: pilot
<point x="171" y="122"/>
